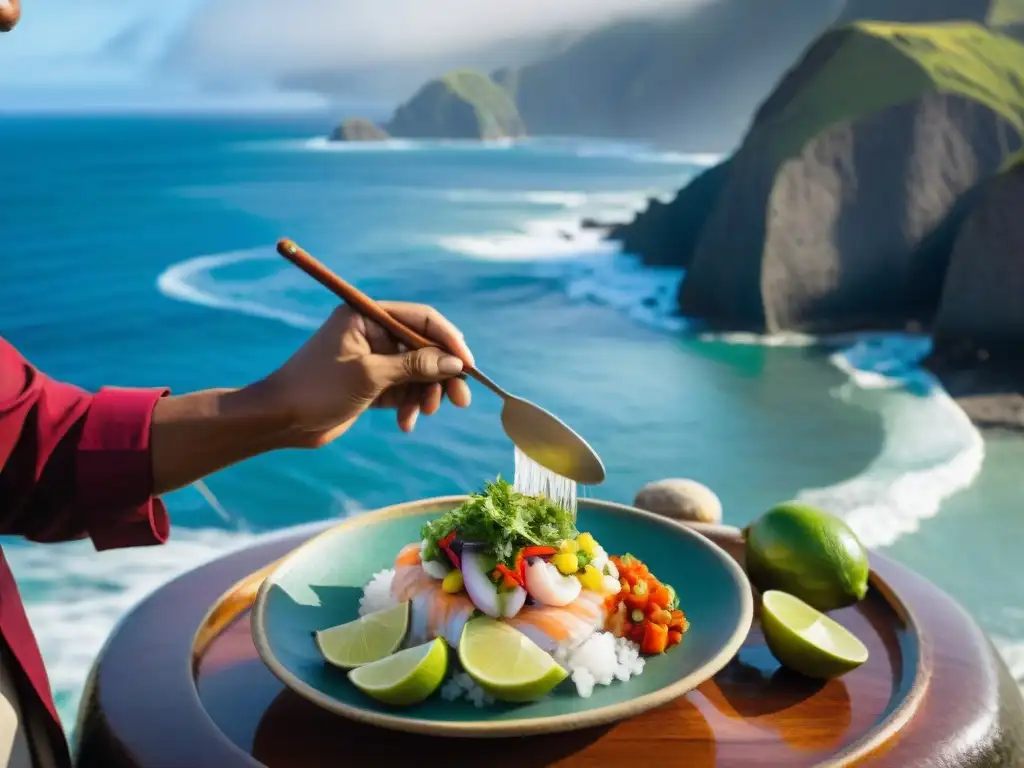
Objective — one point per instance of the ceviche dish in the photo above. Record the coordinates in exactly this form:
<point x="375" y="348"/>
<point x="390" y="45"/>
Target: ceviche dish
<point x="503" y="599"/>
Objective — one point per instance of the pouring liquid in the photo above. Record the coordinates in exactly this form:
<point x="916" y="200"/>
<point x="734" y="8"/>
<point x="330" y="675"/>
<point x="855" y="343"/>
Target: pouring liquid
<point x="534" y="480"/>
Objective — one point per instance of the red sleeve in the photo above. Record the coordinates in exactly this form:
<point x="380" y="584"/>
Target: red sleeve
<point x="74" y="464"/>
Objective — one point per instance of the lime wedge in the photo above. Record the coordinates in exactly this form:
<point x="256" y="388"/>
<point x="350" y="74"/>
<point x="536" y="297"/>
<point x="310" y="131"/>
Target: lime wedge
<point x="506" y="663"/>
<point x="806" y="640"/>
<point x="366" y="639"/>
<point x="407" y="677"/>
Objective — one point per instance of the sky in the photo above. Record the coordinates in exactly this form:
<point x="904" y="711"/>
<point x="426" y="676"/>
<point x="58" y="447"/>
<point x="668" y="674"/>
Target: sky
<point x="260" y="35"/>
<point x="127" y="51"/>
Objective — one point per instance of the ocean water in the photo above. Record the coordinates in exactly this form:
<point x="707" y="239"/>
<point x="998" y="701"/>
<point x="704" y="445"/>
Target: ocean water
<point x="140" y="251"/>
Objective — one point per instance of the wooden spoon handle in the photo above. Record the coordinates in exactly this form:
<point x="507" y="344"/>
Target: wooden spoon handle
<point x="352" y="296"/>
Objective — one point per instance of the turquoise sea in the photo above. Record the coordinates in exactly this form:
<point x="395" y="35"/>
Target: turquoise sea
<point x="139" y="251"/>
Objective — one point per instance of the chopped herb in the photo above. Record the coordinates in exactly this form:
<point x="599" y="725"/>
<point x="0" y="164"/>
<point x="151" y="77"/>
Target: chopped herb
<point x="504" y="520"/>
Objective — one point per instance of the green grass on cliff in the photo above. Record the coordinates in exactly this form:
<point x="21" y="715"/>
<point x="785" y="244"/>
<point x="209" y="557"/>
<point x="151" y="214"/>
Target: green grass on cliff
<point x="868" y="66"/>
<point x="490" y="100"/>
<point x="478" y="89"/>
<point x="966" y="59"/>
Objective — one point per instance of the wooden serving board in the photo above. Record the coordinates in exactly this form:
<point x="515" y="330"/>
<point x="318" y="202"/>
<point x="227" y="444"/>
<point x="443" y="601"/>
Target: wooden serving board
<point x="179" y="685"/>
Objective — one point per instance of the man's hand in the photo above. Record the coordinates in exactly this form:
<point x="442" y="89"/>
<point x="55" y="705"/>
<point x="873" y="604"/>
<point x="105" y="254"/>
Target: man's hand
<point x="9" y="14"/>
<point x="352" y="364"/>
<point x="347" y="366"/>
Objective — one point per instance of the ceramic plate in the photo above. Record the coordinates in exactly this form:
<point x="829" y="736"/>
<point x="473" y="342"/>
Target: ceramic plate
<point x="320" y="583"/>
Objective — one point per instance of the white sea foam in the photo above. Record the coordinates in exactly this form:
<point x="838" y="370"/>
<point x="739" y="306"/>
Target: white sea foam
<point x="580" y="148"/>
<point x="646" y="294"/>
<point x="620" y="205"/>
<point x="76" y="595"/>
<point x="179" y="281"/>
<point x="539" y="239"/>
<point x="631" y="152"/>
<point x="324" y="144"/>
<point x="930" y="449"/>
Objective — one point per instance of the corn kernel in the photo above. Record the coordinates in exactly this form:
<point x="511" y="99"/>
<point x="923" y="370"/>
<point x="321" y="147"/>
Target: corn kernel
<point x="591" y="579"/>
<point x="566" y="562"/>
<point x="587" y="544"/>
<point x="568" y="545"/>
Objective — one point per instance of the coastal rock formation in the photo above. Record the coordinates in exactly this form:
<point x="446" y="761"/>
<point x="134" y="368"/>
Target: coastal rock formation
<point x="666" y="234"/>
<point x="464" y="104"/>
<point x="981" y="313"/>
<point x="838" y="210"/>
<point x="358" y="129"/>
<point x="680" y="499"/>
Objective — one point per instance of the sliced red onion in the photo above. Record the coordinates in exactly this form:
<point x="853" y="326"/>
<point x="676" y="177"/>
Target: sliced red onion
<point x="484" y="593"/>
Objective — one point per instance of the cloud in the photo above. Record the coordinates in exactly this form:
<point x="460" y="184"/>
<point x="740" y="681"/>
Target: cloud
<point x="274" y="38"/>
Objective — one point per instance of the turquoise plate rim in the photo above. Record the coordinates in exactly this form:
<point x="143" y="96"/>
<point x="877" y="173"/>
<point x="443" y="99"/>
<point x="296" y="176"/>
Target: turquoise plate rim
<point x="484" y="728"/>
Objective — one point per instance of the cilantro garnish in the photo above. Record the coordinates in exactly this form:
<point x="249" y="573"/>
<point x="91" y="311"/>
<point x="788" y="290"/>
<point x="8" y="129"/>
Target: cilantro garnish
<point x="504" y="519"/>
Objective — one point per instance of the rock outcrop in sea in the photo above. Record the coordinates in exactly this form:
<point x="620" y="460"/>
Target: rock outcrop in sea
<point x="358" y="129"/>
<point x="463" y="104"/>
<point x="839" y="209"/>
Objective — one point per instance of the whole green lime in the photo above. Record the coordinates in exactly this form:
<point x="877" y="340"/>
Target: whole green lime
<point x="809" y="553"/>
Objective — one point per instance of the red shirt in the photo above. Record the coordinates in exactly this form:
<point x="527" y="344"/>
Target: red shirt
<point x="72" y="465"/>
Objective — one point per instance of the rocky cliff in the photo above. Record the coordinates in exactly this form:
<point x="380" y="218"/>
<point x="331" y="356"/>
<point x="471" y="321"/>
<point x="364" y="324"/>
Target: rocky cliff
<point x="839" y="208"/>
<point x="981" y="311"/>
<point x="463" y="104"/>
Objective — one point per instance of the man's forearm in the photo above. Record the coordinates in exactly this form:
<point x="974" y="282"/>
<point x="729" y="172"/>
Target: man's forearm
<point x="197" y="434"/>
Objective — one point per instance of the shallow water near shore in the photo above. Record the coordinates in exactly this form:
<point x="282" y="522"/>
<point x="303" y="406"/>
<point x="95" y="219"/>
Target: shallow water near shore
<point x="145" y="257"/>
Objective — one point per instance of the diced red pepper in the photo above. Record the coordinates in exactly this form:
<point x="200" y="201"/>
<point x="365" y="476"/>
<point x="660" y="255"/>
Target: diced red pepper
<point x="644" y="597"/>
<point x="660" y="616"/>
<point x="521" y="569"/>
<point x="445" y="545"/>
<point x="538" y="551"/>
<point x="660" y="596"/>
<point x="511" y="577"/>
<point x="655" y="638"/>
<point x="634" y="602"/>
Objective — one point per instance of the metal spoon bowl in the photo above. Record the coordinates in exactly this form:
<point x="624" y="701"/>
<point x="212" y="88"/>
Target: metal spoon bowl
<point x="538" y="433"/>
